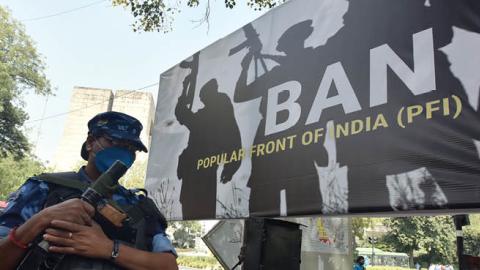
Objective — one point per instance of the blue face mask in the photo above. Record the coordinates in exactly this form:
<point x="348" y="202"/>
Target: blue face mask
<point x="105" y="158"/>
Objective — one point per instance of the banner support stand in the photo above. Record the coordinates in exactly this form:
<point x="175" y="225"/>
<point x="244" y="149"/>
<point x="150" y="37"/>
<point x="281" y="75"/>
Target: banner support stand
<point x="460" y="221"/>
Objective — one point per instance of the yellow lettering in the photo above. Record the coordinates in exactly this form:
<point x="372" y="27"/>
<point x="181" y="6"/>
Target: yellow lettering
<point x="260" y="148"/>
<point x="213" y="159"/>
<point x="446" y="106"/>
<point x="233" y="157"/>
<point x="224" y="158"/>
<point x="318" y="134"/>
<point x="206" y="162"/>
<point x="357" y="126"/>
<point x="280" y="145"/>
<point x="270" y="147"/>
<point x="307" y="138"/>
<point x="343" y="130"/>
<point x="253" y="150"/>
<point x="380" y="122"/>
<point x="241" y="154"/>
<point x="413" y="111"/>
<point x="431" y="108"/>
<point x="290" y="141"/>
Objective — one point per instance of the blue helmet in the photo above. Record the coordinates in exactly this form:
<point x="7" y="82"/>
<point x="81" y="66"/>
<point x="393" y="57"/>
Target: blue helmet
<point x="116" y="125"/>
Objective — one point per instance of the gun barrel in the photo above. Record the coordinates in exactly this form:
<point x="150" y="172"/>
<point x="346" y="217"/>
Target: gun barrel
<point x="238" y="48"/>
<point x="105" y="184"/>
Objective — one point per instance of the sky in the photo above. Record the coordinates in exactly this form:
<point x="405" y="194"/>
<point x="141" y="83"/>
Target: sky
<point x="96" y="47"/>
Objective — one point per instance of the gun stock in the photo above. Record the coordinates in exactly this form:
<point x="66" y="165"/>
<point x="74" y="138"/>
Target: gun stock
<point x="38" y="257"/>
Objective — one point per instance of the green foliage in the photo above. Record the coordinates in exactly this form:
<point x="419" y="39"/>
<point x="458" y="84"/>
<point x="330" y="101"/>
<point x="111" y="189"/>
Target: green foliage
<point x="135" y="176"/>
<point x="472" y="243"/>
<point x="364" y="227"/>
<point x="472" y="236"/>
<point x="21" y="69"/>
<point x="185" y="233"/>
<point x="440" y="238"/>
<point x="432" y="236"/>
<point x="199" y="262"/>
<point x="14" y="172"/>
<point x="359" y="225"/>
<point x="79" y="164"/>
<point x="404" y="234"/>
<point x="157" y="15"/>
<point x="388" y="268"/>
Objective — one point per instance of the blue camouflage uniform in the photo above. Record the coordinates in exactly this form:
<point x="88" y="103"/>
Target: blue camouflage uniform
<point x="30" y="198"/>
<point x="358" y="267"/>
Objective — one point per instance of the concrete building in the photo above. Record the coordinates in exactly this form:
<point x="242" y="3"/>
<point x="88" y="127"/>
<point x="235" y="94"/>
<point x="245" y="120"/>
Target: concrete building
<point x="85" y="103"/>
<point x="139" y="105"/>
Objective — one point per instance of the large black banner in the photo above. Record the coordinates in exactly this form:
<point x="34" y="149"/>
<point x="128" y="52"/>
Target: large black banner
<point x="325" y="107"/>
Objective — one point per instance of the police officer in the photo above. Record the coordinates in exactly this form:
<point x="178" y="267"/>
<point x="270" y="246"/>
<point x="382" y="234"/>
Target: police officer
<point x="41" y="209"/>
<point x="359" y="263"/>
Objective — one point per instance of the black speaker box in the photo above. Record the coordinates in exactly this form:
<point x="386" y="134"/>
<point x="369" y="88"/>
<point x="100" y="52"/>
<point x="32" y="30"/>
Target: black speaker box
<point x="271" y="244"/>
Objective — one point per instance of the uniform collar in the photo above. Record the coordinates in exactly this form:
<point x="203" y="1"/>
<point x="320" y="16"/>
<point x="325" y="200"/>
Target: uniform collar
<point x="82" y="175"/>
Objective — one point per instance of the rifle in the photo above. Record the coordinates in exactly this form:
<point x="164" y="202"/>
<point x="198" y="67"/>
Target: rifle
<point x="254" y="43"/>
<point x="38" y="257"/>
<point x="190" y="81"/>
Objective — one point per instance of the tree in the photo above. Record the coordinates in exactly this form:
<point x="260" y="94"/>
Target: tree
<point x="185" y="233"/>
<point x="157" y="15"/>
<point x="472" y="236"/>
<point x="14" y="172"/>
<point x="21" y="68"/>
<point x="439" y="242"/>
<point x="359" y="225"/>
<point x="404" y="235"/>
<point x="135" y="176"/>
<point x="433" y="236"/>
<point x="364" y="227"/>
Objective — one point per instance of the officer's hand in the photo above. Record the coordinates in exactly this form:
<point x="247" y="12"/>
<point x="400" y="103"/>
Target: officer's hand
<point x="71" y="238"/>
<point x="73" y="210"/>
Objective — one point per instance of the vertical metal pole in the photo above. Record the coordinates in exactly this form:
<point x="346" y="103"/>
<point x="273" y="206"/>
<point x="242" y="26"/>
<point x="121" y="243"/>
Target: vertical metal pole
<point x="460" y="221"/>
<point x="459" y="233"/>
<point x="372" y="240"/>
<point x="373" y="254"/>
